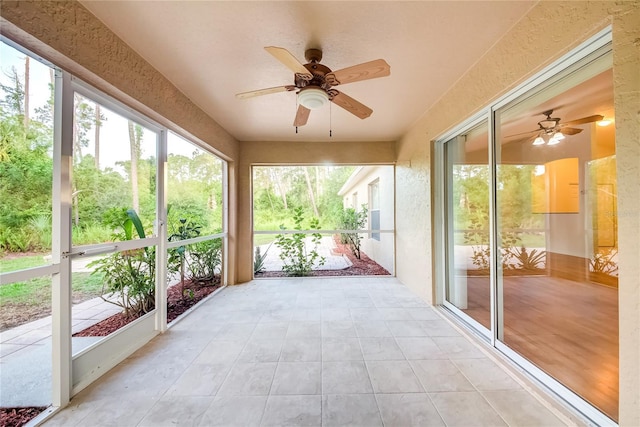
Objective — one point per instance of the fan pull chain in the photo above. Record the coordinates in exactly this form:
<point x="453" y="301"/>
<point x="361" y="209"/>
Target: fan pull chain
<point x="330" y="125"/>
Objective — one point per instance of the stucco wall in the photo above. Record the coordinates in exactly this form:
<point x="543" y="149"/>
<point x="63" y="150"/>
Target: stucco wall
<point x="413" y="223"/>
<point x="550" y="30"/>
<point x="293" y="153"/>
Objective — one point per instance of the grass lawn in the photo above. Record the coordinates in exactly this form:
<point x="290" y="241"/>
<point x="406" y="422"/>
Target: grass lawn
<point x="263" y="239"/>
<point x="13" y="263"/>
<point x="22" y="302"/>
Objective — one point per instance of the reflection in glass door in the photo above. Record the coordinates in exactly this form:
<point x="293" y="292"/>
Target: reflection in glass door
<point x="557" y="228"/>
<point x="467" y="222"/>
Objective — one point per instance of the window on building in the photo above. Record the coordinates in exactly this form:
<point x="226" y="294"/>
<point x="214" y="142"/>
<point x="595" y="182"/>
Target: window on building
<point x="374" y="208"/>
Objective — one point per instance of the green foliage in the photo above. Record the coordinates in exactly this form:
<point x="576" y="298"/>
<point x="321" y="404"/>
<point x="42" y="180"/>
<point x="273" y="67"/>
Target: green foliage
<point x="477" y="236"/>
<point x="129" y="276"/>
<point x="204" y="260"/>
<point x="186" y="229"/>
<point x="91" y="233"/>
<point x="298" y="261"/>
<point x="353" y="220"/>
<point x="26" y="169"/>
<point x="259" y="259"/>
<point x="527" y="260"/>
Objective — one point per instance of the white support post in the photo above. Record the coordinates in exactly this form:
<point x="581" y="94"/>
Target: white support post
<point x="161" y="232"/>
<point x="225" y="223"/>
<point x="61" y="239"/>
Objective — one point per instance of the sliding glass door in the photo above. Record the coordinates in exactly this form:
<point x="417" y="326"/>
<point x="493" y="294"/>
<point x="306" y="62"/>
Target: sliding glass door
<point x="467" y="219"/>
<point x="529" y="196"/>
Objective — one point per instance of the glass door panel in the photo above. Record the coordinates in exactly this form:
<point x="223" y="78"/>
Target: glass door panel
<point x="467" y="222"/>
<point x="557" y="231"/>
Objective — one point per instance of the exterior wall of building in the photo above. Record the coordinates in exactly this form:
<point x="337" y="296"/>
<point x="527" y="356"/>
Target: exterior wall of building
<point x="381" y="251"/>
<point x="550" y="30"/>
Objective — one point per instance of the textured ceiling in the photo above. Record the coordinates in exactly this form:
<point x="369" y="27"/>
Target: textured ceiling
<point x="212" y="50"/>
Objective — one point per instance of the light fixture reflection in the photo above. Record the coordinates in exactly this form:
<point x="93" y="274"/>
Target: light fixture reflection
<point x="554" y="140"/>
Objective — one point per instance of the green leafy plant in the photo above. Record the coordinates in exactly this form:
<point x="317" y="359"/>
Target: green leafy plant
<point x="259" y="259"/>
<point x="297" y="260"/>
<point x="186" y="229"/>
<point x="129" y="276"/>
<point x="351" y="219"/>
<point x="478" y="237"/>
<point x="204" y="259"/>
<point x="527" y="260"/>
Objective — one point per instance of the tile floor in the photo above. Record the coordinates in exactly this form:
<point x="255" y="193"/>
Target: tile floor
<point x="303" y="352"/>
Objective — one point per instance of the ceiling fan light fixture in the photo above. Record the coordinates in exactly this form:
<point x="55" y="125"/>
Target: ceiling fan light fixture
<point x="538" y="141"/>
<point x="313" y="98"/>
<point x="604" y="122"/>
<point x="554" y="140"/>
<point x="559" y="136"/>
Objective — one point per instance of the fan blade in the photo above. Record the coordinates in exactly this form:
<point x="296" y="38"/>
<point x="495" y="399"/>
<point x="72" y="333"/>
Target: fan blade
<point x="589" y="119"/>
<point x="352" y="106"/>
<point x="284" y="56"/>
<point x="570" y="131"/>
<point x="302" y="115"/>
<point x="523" y="133"/>
<point x="356" y="73"/>
<point x="267" y="91"/>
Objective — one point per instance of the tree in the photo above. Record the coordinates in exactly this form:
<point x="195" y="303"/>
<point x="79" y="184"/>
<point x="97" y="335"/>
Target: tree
<point x="98" y="119"/>
<point x="26" y="92"/>
<point x="135" y="136"/>
<point x="312" y="197"/>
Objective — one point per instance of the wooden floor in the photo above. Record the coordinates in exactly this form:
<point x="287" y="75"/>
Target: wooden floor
<point x="568" y="329"/>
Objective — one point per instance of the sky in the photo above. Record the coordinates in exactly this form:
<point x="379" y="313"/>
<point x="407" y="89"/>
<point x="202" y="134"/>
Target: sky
<point x="114" y="132"/>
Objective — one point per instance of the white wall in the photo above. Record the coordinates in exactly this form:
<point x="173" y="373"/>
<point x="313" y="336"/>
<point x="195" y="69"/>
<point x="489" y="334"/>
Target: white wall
<point x="381" y="251"/>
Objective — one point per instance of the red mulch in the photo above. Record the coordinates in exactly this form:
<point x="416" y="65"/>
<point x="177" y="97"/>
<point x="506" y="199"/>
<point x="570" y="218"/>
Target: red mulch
<point x="364" y="266"/>
<point x="176" y="305"/>
<point x="17" y="417"/>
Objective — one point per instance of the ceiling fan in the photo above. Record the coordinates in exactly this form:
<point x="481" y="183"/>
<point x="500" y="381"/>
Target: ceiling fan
<point x="550" y="131"/>
<point x="314" y="82"/>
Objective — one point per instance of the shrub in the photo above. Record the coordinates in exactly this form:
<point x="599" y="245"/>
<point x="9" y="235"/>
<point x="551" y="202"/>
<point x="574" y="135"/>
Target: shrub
<point x="293" y="247"/>
<point x="259" y="259"/>
<point x="351" y="219"/>
<point x="204" y="260"/>
<point x="129" y="276"/>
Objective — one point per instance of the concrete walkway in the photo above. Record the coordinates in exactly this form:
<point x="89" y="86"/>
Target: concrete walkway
<point x="25" y="354"/>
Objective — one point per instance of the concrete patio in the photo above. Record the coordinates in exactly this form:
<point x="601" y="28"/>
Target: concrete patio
<point x="312" y="351"/>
